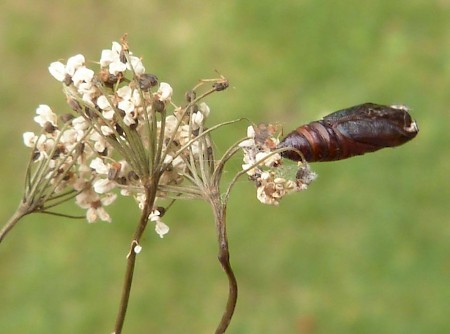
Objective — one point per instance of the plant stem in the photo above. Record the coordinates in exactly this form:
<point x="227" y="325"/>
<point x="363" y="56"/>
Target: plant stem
<point x="150" y="192"/>
<point x="224" y="259"/>
<point x="21" y="211"/>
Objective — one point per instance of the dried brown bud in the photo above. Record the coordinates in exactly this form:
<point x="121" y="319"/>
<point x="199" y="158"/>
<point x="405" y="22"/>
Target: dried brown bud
<point x="74" y="105"/>
<point x="132" y="176"/>
<point x="49" y="127"/>
<point x="67" y="80"/>
<point x="65" y="118"/>
<point x="221" y="85"/>
<point x="190" y="95"/>
<point x="36" y="155"/>
<point x="161" y="210"/>
<point x="113" y="172"/>
<point x="147" y="81"/>
<point x="158" y="105"/>
<point x="119" y="129"/>
<point x="108" y="79"/>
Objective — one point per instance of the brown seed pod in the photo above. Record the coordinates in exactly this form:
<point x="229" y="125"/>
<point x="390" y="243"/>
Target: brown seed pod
<point x="221" y="84"/>
<point x="65" y="118"/>
<point x="349" y="132"/>
<point x="147" y="81"/>
<point x="113" y="172"/>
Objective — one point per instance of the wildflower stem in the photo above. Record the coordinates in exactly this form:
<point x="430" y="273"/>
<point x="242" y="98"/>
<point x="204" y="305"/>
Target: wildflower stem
<point x="224" y="259"/>
<point x="150" y="193"/>
<point x="156" y="160"/>
<point x="21" y="211"/>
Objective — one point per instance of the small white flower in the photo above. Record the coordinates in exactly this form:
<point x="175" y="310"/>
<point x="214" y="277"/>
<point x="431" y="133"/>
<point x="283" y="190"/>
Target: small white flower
<point x="103" y="103"/>
<point x="263" y="197"/>
<point x="69" y="136"/>
<point x="129" y="118"/>
<point x="99" y="166"/>
<point x="93" y="214"/>
<point x="140" y="198"/>
<point x="117" y="67"/>
<point x="251" y="132"/>
<point x="45" y="114"/>
<point x="80" y="123"/>
<point x="88" y="91"/>
<point x="107" y="110"/>
<point x="102" y="186"/>
<point x="74" y="63"/>
<point x="204" y="109"/>
<point x="170" y="126"/>
<point x="197" y="120"/>
<point x="168" y="159"/>
<point x="103" y="215"/>
<point x="91" y="201"/>
<point x="195" y="148"/>
<point x="136" y="98"/>
<point x="29" y="139"/>
<point x="108" y="114"/>
<point x="161" y="228"/>
<point x="183" y="134"/>
<point x="154" y="215"/>
<point x="270" y="160"/>
<point x="130" y="99"/>
<point x="124" y="92"/>
<point x="247" y="143"/>
<point x="111" y="58"/>
<point x="82" y="75"/>
<point x="99" y="142"/>
<point x="165" y="91"/>
<point x="44" y="144"/>
<point x="108" y="199"/>
<point x="265" y="176"/>
<point x="251" y="171"/>
<point x="137" y="65"/>
<point x="57" y="70"/>
<point x="126" y="105"/>
<point x="107" y="57"/>
<point x="116" y="48"/>
<point x="179" y="163"/>
<point x="106" y="130"/>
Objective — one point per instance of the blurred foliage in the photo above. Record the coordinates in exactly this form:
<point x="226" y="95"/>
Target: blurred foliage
<point x="365" y="250"/>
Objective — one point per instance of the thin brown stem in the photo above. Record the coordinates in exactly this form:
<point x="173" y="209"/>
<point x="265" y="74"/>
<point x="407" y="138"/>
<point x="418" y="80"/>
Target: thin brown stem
<point x="150" y="192"/>
<point x="21" y="211"/>
<point x="224" y="259"/>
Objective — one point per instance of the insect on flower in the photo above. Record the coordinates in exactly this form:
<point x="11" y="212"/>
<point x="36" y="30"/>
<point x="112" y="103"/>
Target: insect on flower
<point x="349" y="132"/>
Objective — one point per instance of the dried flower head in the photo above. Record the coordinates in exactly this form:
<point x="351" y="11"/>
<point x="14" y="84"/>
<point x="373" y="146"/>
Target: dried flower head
<point x="124" y="136"/>
<point x="264" y="165"/>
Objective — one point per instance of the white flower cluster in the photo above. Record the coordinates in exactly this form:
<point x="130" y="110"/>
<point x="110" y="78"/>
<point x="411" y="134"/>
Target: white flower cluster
<point x="266" y="168"/>
<point x="119" y="134"/>
<point x="61" y="158"/>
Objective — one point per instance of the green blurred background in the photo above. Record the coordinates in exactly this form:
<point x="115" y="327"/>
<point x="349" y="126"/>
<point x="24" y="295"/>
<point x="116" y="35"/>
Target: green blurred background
<point x="365" y="250"/>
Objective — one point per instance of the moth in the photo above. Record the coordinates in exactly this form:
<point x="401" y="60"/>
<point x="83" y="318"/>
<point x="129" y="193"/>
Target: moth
<point x="357" y="130"/>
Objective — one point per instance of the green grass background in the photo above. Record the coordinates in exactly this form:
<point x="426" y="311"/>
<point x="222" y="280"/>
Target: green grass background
<point x="365" y="250"/>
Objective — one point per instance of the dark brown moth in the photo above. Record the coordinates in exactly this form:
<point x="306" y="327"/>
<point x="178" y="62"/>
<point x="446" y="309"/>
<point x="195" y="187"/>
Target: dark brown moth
<point x="348" y="132"/>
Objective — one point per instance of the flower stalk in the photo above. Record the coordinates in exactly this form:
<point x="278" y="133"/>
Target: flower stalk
<point x="219" y="210"/>
<point x="150" y="192"/>
<point x="125" y="136"/>
<point x="21" y="212"/>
